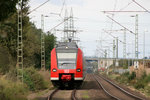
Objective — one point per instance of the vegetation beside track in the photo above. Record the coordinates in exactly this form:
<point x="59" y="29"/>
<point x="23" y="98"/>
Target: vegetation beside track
<point x="10" y="90"/>
<point x="34" y="82"/>
<point x="34" y="79"/>
<point x="141" y="84"/>
<point x="31" y="38"/>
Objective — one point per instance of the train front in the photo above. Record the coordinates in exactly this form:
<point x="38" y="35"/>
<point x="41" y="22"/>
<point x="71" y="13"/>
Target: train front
<point x="67" y="65"/>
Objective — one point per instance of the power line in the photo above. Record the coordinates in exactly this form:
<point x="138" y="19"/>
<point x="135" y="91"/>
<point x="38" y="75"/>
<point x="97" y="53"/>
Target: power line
<point x="38" y="7"/>
<point x="59" y="24"/>
<point x="141" y="6"/>
<point x="62" y="7"/>
<point x="120" y="25"/>
<point x="126" y="6"/>
<point x="128" y="11"/>
<point x="113" y="13"/>
<point x="113" y="36"/>
<point x="123" y="11"/>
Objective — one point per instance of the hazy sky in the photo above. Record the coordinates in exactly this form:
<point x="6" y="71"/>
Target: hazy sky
<point x="90" y="19"/>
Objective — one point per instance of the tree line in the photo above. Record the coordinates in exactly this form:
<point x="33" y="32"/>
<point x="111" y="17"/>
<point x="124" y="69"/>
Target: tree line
<point x="31" y="38"/>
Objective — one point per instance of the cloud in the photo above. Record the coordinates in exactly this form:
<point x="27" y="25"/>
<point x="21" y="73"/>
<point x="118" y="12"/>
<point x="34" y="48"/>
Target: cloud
<point x="91" y="20"/>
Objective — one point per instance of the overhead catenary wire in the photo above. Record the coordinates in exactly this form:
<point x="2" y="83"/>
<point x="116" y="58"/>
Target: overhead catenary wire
<point x="120" y="25"/>
<point x="146" y="10"/>
<point x="113" y="14"/>
<point x="62" y="7"/>
<point x="126" y="6"/>
<point x="113" y="36"/>
<point x="59" y="24"/>
<point x="38" y="7"/>
<point x="61" y="10"/>
<point x="141" y="6"/>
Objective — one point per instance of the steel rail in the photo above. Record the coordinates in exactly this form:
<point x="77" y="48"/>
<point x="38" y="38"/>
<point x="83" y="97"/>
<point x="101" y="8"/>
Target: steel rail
<point x="52" y="94"/>
<point x="132" y="95"/>
<point x="73" y="95"/>
<point x="114" y="97"/>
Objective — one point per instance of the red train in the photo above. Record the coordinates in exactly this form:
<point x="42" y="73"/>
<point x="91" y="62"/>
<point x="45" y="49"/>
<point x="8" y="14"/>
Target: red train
<point x="67" y="65"/>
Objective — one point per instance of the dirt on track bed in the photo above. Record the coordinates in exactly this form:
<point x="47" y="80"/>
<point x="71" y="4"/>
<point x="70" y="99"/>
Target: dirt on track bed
<point x="63" y="95"/>
<point x="91" y="91"/>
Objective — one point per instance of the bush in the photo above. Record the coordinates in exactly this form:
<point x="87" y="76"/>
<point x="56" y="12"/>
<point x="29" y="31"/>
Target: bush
<point x="144" y="75"/>
<point x="122" y="79"/>
<point x="12" y="90"/>
<point x="132" y="76"/>
<point x="147" y="88"/>
<point x="126" y="74"/>
<point x="33" y="79"/>
<point x="139" y="85"/>
<point x="147" y="79"/>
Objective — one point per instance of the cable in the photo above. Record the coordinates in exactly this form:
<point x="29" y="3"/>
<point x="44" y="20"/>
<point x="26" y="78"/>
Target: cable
<point x="113" y="36"/>
<point x="59" y="24"/>
<point x="125" y="6"/>
<point x="140" y="6"/>
<point x="38" y="7"/>
<point x="120" y="25"/>
<point x="110" y="12"/>
<point x="62" y="7"/>
<point x="113" y="14"/>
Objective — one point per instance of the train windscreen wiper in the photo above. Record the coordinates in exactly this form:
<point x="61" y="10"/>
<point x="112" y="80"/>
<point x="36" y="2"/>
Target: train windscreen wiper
<point x="66" y="63"/>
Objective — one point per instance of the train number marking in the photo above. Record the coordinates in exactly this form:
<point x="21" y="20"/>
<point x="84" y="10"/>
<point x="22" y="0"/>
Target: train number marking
<point x="66" y="71"/>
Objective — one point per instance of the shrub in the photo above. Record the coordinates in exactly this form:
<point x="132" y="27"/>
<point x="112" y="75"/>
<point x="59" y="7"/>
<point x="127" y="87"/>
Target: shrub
<point x="139" y="85"/>
<point x="147" y="79"/>
<point x="143" y="81"/>
<point x="33" y="79"/>
<point x="144" y="75"/>
<point x="126" y="74"/>
<point x="147" y="88"/>
<point x="10" y="90"/>
<point x="132" y="76"/>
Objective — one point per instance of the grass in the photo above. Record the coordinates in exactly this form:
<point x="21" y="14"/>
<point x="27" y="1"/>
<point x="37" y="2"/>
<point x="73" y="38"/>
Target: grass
<point x="85" y="95"/>
<point x="142" y="84"/>
<point x="10" y="90"/>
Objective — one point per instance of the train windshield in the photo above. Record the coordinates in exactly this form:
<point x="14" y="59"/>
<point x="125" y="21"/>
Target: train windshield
<point x="66" y="60"/>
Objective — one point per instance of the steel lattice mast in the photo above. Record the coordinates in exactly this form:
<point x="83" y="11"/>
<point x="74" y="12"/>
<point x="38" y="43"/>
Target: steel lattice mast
<point x="42" y="44"/>
<point x="136" y="37"/>
<point x="114" y="46"/>
<point x="72" y="31"/>
<point x="124" y="44"/>
<point x="65" y="38"/>
<point x="19" y="64"/>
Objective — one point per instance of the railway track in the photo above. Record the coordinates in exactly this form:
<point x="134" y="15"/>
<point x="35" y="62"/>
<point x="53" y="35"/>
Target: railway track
<point x="113" y="97"/>
<point x="114" y="90"/>
<point x="73" y="94"/>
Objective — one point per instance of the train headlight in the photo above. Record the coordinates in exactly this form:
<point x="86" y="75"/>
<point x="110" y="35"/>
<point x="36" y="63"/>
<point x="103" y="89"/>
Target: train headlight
<point x="78" y="70"/>
<point x="54" y="70"/>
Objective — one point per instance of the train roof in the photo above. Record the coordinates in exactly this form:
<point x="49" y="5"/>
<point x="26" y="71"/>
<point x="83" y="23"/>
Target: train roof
<point x="66" y="45"/>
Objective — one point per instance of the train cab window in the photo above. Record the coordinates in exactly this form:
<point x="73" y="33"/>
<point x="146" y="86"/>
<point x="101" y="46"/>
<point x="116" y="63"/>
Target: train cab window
<point x="66" y="60"/>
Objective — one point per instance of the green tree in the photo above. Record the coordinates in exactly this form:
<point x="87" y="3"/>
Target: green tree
<point x="7" y="8"/>
<point x="31" y="36"/>
<point x="50" y="41"/>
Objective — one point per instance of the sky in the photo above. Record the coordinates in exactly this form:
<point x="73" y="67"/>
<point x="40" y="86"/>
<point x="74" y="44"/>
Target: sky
<point x="89" y="18"/>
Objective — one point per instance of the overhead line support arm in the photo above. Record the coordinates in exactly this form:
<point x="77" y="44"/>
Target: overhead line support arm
<point x="120" y="25"/>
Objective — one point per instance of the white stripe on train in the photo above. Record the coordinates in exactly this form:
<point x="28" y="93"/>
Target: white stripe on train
<point x="56" y="78"/>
